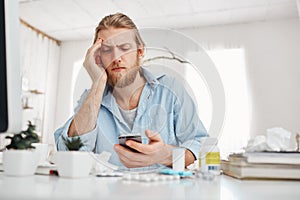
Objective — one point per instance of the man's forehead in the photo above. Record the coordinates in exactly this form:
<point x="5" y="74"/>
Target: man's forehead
<point x="117" y="36"/>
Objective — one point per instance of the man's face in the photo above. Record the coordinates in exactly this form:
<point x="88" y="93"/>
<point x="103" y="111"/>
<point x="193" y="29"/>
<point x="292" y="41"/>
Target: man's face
<point x="120" y="55"/>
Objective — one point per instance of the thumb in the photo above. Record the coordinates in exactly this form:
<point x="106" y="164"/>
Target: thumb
<point x="153" y="135"/>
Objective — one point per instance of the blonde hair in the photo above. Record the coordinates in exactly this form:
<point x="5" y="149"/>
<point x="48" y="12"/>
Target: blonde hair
<point x="118" y="20"/>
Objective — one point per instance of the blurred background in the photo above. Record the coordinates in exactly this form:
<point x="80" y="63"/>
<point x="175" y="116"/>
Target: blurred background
<point x="253" y="44"/>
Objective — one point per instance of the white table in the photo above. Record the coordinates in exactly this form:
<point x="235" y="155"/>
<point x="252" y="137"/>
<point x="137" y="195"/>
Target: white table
<point x="223" y="187"/>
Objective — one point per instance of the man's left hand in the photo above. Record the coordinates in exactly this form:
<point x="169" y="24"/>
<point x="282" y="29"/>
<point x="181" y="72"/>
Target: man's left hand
<point x="156" y="152"/>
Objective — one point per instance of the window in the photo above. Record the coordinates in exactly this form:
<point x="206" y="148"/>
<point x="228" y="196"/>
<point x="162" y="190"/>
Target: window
<point x="230" y="64"/>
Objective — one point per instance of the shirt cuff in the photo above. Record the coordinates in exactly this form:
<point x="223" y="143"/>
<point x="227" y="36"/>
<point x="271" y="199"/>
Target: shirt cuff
<point x="88" y="139"/>
<point x="192" y="145"/>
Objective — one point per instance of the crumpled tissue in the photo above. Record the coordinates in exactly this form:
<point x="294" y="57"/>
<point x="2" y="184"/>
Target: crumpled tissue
<point x="276" y="139"/>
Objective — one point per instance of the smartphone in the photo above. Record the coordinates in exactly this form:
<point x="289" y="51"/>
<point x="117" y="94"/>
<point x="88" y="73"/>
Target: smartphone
<point x="124" y="138"/>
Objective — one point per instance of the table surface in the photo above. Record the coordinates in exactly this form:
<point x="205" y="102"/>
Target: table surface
<point x="222" y="187"/>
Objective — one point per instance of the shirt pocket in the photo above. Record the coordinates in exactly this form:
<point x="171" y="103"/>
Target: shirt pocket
<point x="158" y="118"/>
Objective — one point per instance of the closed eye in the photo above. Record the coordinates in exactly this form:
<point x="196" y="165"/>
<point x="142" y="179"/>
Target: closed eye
<point x="105" y="49"/>
<point x="125" y="47"/>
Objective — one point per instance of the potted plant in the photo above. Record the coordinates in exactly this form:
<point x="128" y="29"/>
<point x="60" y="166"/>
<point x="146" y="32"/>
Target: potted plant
<point x="73" y="144"/>
<point x="74" y="163"/>
<point x="20" y="157"/>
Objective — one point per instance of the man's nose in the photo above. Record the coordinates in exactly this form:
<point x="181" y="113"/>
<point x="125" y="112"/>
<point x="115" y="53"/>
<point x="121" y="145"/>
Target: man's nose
<point x="117" y="60"/>
<point x="116" y="54"/>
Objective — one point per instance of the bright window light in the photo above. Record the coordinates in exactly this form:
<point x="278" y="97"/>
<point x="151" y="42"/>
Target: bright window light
<point x="231" y="65"/>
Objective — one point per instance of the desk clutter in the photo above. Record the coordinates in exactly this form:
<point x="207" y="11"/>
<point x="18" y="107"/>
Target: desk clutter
<point x="263" y="165"/>
<point x="269" y="156"/>
<point x="262" y="160"/>
<point x="102" y="168"/>
<point x="81" y="164"/>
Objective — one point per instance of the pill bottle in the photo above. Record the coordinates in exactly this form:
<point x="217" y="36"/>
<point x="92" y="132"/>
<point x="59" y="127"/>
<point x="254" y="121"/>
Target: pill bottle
<point x="209" y="156"/>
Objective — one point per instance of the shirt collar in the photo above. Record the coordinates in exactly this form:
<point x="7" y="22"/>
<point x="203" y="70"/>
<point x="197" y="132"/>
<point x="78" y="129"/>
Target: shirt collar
<point x="152" y="79"/>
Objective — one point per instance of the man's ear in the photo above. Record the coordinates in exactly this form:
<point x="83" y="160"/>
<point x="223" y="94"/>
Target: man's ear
<point x="141" y="51"/>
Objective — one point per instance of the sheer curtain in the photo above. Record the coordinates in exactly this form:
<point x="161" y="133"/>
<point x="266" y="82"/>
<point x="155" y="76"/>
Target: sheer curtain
<point x="39" y="69"/>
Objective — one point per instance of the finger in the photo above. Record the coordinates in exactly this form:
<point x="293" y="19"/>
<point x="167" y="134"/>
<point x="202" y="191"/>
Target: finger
<point x="98" y="59"/>
<point x="145" y="148"/>
<point x="96" y="46"/>
<point x="119" y="148"/>
<point x="99" y="40"/>
<point x="128" y="156"/>
<point x="142" y="148"/>
<point x="131" y="159"/>
<point x="153" y="135"/>
<point x="123" y="158"/>
<point x="123" y="151"/>
<point x="130" y="163"/>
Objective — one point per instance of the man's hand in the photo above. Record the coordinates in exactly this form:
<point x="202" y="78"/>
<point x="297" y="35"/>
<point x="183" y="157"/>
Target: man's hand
<point x="156" y="152"/>
<point x="86" y="118"/>
<point x="92" y="62"/>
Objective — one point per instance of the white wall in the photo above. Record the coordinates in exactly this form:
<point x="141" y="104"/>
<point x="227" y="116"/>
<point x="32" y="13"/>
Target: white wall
<point x="272" y="60"/>
<point x="70" y="53"/>
<point x="272" y="64"/>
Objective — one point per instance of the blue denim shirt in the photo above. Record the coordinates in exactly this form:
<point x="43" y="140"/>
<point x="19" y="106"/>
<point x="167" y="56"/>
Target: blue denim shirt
<point x="164" y="106"/>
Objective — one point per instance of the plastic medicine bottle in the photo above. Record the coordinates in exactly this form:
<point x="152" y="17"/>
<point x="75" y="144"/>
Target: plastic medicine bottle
<point x="209" y="156"/>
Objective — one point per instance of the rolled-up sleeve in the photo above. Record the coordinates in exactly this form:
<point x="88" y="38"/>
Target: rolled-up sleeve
<point x="88" y="139"/>
<point x="191" y="140"/>
<point x="194" y="144"/>
<point x="188" y="126"/>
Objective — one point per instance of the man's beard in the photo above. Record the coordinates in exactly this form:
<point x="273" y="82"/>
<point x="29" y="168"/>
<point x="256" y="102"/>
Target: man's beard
<point x="123" y="80"/>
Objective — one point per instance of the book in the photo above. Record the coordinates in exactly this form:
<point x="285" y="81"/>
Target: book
<point x="273" y="157"/>
<point x="237" y="166"/>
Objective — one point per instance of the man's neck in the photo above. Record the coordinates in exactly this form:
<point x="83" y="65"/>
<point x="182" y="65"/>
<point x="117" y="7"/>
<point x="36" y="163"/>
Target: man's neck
<point x="128" y="97"/>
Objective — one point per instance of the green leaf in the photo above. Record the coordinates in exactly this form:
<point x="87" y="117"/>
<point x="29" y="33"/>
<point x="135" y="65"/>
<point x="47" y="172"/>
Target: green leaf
<point x="73" y="144"/>
<point x="24" y="139"/>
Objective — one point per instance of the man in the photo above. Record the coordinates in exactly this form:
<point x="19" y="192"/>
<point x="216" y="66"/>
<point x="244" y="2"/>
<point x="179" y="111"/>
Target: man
<point x="126" y="98"/>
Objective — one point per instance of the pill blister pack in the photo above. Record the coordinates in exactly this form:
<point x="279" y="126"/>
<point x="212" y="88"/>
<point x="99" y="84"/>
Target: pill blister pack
<point x="109" y="174"/>
<point x="151" y="177"/>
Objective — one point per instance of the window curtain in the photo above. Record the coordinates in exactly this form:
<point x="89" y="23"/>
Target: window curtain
<point x="39" y="60"/>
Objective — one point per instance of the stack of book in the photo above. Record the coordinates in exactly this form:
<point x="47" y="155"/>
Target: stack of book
<point x="263" y="165"/>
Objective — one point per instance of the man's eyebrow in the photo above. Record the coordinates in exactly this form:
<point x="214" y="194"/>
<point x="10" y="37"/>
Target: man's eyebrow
<point x="118" y="45"/>
<point x="123" y="44"/>
<point x="106" y="45"/>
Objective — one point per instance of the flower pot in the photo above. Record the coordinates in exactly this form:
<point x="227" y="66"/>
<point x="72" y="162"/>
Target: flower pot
<point x="74" y="164"/>
<point x="20" y="162"/>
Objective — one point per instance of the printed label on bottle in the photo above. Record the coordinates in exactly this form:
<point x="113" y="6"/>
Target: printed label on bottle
<point x="212" y="158"/>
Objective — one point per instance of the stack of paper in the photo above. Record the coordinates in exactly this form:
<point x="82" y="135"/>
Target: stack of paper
<point x="263" y="165"/>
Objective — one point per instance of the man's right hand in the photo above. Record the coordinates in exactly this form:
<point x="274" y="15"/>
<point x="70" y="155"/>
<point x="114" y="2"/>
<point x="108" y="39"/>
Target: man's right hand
<point x="92" y="62"/>
<point x="86" y="118"/>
